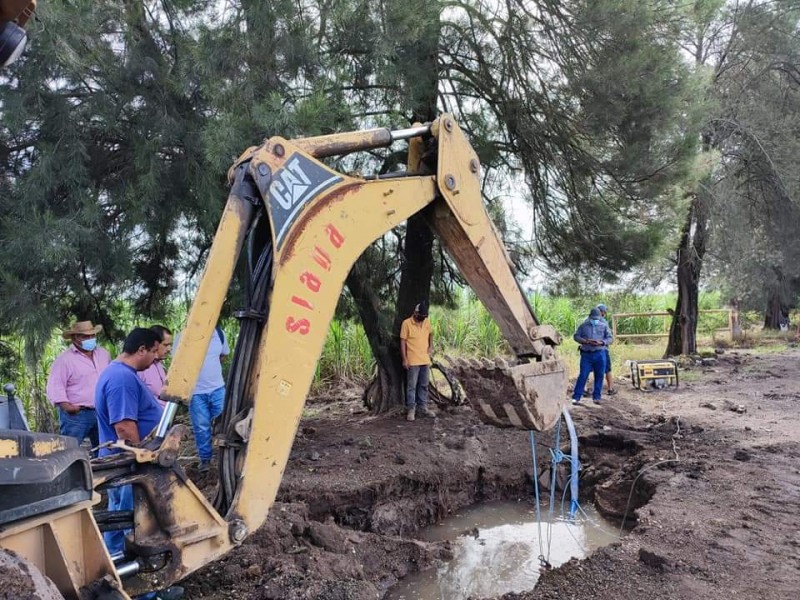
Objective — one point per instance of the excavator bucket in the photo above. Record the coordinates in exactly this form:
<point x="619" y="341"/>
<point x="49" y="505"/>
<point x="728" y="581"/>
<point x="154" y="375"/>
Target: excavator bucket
<point x="526" y="396"/>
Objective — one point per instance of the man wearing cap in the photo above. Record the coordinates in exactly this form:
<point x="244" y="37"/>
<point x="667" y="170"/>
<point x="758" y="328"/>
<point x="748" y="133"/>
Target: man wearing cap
<point x="155" y="375"/>
<point x="594" y="337"/>
<point x="72" y="381"/>
<point x="416" y="347"/>
<point x="609" y="378"/>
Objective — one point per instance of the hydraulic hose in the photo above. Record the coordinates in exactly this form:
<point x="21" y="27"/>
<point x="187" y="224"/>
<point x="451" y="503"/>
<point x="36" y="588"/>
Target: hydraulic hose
<point x="259" y="258"/>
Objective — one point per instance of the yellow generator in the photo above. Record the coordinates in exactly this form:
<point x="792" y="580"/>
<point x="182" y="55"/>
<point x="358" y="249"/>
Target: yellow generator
<point x="649" y="375"/>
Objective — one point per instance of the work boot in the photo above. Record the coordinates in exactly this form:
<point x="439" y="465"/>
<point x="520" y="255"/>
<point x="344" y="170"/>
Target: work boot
<point x="611" y="391"/>
<point x="411" y="414"/>
<point x="426" y="412"/>
<point x="204" y="466"/>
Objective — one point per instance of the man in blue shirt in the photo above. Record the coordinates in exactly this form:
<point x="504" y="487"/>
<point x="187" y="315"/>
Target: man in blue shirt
<point x="126" y="410"/>
<point x="594" y="337"/>
<point x="609" y="378"/>
<point x="208" y="398"/>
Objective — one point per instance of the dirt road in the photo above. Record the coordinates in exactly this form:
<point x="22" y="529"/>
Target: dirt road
<point x="716" y="467"/>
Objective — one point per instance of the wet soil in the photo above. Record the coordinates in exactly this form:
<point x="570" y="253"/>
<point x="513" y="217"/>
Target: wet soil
<point x="707" y="476"/>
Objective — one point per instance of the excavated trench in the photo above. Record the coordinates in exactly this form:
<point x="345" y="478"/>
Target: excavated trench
<point x="357" y="538"/>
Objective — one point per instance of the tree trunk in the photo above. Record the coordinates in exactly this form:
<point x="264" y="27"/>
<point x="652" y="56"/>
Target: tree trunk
<point x="773" y="315"/>
<point x="387" y="388"/>
<point x="421" y="73"/>
<point x="691" y="250"/>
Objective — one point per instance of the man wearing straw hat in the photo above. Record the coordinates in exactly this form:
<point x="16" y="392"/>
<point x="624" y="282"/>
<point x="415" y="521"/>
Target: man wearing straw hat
<point x="73" y="377"/>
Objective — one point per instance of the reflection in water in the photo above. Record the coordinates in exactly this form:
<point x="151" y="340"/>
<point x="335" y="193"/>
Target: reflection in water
<point x="504" y="555"/>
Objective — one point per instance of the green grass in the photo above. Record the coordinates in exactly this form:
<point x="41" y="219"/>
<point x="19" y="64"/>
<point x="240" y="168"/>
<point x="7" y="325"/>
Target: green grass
<point x="464" y="331"/>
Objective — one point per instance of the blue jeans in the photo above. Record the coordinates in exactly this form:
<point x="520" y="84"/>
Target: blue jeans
<point x="417" y="386"/>
<point x="591" y="362"/>
<point x="119" y="498"/>
<point x="204" y="409"/>
<point x="80" y="426"/>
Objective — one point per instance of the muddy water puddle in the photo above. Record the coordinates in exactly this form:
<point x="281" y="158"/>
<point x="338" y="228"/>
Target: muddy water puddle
<point x="496" y="548"/>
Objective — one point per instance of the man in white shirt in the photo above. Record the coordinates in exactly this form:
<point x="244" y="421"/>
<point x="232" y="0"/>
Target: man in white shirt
<point x="208" y="398"/>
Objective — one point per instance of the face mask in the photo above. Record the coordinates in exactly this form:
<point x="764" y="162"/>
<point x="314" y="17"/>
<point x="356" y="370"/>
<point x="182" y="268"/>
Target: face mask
<point x="595" y="321"/>
<point x="419" y="318"/>
<point x="89" y="344"/>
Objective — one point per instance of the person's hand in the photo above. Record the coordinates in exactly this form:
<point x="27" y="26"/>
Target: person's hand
<point x="405" y="364"/>
<point x="69" y="408"/>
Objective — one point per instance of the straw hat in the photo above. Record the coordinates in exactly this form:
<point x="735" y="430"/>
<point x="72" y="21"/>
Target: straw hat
<point x="82" y="328"/>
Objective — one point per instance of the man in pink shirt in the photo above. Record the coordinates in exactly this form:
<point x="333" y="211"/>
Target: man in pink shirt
<point x="72" y="380"/>
<point x="155" y="375"/>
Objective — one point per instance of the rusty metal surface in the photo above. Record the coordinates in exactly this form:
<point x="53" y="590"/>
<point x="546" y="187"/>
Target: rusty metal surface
<point x="528" y="396"/>
<point x="343" y="143"/>
<point x="17" y="10"/>
<point x="65" y="545"/>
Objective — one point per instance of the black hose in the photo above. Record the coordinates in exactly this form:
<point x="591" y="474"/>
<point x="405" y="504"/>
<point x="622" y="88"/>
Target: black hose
<point x="253" y="318"/>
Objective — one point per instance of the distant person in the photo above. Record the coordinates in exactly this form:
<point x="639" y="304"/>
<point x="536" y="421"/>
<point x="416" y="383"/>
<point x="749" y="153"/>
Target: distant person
<point x="155" y="375"/>
<point x="416" y="347"/>
<point x="126" y="410"/>
<point x="208" y="398"/>
<point x="72" y="381"/>
<point x="594" y="336"/>
<point x="609" y="376"/>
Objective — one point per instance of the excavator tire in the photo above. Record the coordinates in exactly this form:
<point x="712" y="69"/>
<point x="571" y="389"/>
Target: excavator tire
<point x="527" y="396"/>
<point x="23" y="581"/>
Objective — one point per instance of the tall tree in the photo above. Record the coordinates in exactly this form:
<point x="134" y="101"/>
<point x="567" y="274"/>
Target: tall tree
<point x="102" y="165"/>
<point x="748" y="49"/>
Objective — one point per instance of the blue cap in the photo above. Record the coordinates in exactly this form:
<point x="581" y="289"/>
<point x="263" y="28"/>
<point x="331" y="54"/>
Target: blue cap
<point x="595" y="314"/>
<point x="602" y="308"/>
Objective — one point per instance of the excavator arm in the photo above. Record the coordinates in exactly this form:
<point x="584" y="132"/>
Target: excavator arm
<point x="301" y="226"/>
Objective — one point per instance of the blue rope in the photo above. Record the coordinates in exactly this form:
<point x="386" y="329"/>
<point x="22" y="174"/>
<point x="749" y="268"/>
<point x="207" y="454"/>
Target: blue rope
<point x="532" y="439"/>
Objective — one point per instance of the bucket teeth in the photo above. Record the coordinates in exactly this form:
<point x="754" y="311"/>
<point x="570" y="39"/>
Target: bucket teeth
<point x="525" y="396"/>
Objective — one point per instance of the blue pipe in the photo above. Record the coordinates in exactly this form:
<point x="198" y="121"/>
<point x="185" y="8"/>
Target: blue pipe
<point x="575" y="464"/>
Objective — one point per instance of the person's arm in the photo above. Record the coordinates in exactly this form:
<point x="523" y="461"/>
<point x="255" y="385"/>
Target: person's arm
<point x="404" y="344"/>
<point x="123" y="412"/>
<point x="430" y="344"/>
<point x="127" y="430"/>
<point x="608" y="337"/>
<point x="56" y="390"/>
<point x="578" y="337"/>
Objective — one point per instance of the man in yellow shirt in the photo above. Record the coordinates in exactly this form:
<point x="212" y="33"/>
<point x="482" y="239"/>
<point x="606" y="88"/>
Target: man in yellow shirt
<point x="416" y="346"/>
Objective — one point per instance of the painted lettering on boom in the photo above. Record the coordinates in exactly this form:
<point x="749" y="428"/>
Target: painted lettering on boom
<point x="313" y="278"/>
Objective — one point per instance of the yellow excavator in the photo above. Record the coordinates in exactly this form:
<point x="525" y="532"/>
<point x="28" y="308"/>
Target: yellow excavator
<point x="296" y="226"/>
